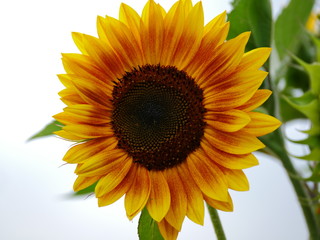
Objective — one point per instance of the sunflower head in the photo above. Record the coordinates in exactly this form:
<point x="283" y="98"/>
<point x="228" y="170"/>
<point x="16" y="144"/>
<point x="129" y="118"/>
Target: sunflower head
<point x="161" y="109"/>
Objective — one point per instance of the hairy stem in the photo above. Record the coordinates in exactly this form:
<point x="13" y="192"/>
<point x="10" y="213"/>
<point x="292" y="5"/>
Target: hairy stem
<point x="216" y="223"/>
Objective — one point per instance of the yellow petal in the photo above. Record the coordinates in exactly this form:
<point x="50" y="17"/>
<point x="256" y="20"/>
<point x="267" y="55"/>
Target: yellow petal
<point x="102" y="163"/>
<point x="234" y="91"/>
<point x="69" y="96"/>
<point x="116" y="193"/>
<point x="227" y="121"/>
<point x="236" y="179"/>
<point x="207" y="176"/>
<point x="256" y="100"/>
<point x="67" y="135"/>
<point x="261" y="124"/>
<point x="139" y="192"/>
<point x="113" y="176"/>
<point x="208" y="47"/>
<point x="131" y="18"/>
<point x="195" y="206"/>
<point x="162" y="10"/>
<point x="65" y="79"/>
<point x="187" y="6"/>
<point x="159" y="201"/>
<point x="167" y="231"/>
<point x="78" y="40"/>
<point x="83" y="113"/>
<point x="173" y="24"/>
<point x="93" y="92"/>
<point x="102" y="34"/>
<point x="232" y="161"/>
<point x="178" y="206"/>
<point x="104" y="57"/>
<point x="235" y="143"/>
<point x="84" y="182"/>
<point x="123" y="42"/>
<point x="254" y="59"/>
<point x="86" y="131"/>
<point x="89" y="110"/>
<point x="224" y="62"/>
<point x="190" y="40"/>
<point x="152" y="30"/>
<point x="226" y="206"/>
<point x="215" y="23"/>
<point x="85" y="150"/>
<point x="82" y="65"/>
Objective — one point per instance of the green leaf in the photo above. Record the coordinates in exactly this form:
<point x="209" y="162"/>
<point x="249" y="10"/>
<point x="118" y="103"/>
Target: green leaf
<point x="317" y="43"/>
<point x="307" y="104"/>
<point x="290" y="26"/>
<point x="148" y="228"/>
<point x="313" y="156"/>
<point x="288" y="112"/>
<point x="313" y="71"/>
<point x="47" y="130"/>
<point x="255" y="16"/>
<point x="260" y="20"/>
<point x="305" y="99"/>
<point x="296" y="76"/>
<point x="314" y="130"/>
<point x="312" y="141"/>
<point x="315" y="177"/>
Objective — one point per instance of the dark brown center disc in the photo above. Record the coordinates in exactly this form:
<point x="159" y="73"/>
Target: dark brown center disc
<point x="158" y="115"/>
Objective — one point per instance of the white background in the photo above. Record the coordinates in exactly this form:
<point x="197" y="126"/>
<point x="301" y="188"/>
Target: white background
<point x="35" y="186"/>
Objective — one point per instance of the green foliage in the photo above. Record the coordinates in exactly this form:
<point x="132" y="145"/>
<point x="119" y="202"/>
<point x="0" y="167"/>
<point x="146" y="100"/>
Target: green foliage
<point x="309" y="105"/>
<point x="289" y="27"/>
<point x="315" y="177"/>
<point x="312" y="141"/>
<point x="148" y="228"/>
<point x="295" y="76"/>
<point x="289" y="35"/>
<point x="317" y="43"/>
<point x="48" y="130"/>
<point x="313" y="71"/>
<point x="291" y="38"/>
<point x="314" y="155"/>
<point x="289" y="112"/>
<point x="254" y="16"/>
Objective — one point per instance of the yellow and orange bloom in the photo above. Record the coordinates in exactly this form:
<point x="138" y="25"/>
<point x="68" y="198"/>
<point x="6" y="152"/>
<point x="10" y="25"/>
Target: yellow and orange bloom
<point x="161" y="109"/>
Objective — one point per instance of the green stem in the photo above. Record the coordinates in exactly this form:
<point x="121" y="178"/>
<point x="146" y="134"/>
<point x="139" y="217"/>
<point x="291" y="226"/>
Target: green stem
<point x="276" y="144"/>
<point x="216" y="223"/>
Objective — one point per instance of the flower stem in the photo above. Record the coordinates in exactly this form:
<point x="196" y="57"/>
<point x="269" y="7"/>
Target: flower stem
<point x="276" y="144"/>
<point x="216" y="223"/>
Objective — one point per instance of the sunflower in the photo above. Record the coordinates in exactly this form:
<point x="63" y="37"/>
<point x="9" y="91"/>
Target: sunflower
<point x="160" y="108"/>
